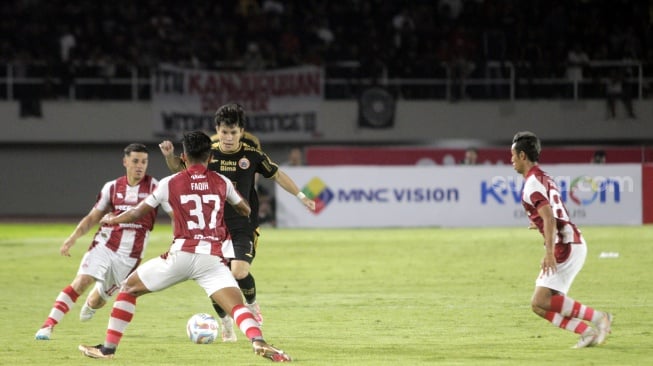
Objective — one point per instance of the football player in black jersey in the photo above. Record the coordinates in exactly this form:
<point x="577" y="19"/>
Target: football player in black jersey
<point x="240" y="161"/>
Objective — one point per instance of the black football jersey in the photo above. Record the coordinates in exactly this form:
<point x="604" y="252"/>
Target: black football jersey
<point x="241" y="167"/>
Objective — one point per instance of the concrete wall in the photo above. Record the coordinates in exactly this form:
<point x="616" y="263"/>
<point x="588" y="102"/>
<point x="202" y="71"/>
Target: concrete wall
<point x="61" y="180"/>
<point x="107" y="122"/>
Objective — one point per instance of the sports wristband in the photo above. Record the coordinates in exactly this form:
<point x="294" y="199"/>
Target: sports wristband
<point x="301" y="195"/>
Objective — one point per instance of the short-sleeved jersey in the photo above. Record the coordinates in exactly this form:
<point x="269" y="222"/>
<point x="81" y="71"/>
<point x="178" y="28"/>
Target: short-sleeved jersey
<point x="197" y="197"/>
<point x="241" y="167"/>
<point x="118" y="196"/>
<point x="540" y="190"/>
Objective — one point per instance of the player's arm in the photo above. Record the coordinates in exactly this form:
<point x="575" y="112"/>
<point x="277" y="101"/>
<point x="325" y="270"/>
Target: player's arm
<point x="173" y="162"/>
<point x="131" y="215"/>
<point x="85" y="224"/>
<point x="242" y="208"/>
<point x="235" y="199"/>
<point x="289" y="186"/>
<point x="548" y="230"/>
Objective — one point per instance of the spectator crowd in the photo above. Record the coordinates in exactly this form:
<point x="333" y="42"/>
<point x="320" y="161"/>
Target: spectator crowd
<point x="406" y="39"/>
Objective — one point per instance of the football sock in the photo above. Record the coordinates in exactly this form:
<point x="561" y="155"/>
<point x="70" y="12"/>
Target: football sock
<point x="64" y="301"/>
<point x="248" y="287"/>
<point x="568" y="307"/>
<point x="572" y="324"/>
<point x="121" y="314"/>
<point x="218" y="309"/>
<point x="246" y="322"/>
<point x="107" y="350"/>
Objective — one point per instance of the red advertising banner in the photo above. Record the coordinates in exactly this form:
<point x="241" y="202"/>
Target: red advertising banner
<point x="647" y="193"/>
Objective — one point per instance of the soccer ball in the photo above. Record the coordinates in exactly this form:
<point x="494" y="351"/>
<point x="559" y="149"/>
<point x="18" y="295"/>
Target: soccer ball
<point x="202" y="328"/>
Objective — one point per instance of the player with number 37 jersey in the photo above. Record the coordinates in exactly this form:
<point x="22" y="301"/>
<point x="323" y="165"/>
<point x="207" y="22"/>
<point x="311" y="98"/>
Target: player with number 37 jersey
<point x="200" y="228"/>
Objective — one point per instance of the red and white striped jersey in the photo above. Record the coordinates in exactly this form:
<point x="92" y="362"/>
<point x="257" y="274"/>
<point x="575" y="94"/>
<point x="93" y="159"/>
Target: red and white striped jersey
<point x="197" y="196"/>
<point x="118" y="196"/>
<point x="540" y="190"/>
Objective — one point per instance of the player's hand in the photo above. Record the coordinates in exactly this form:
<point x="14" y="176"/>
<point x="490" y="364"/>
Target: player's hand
<point x="65" y="247"/>
<point x="532" y="226"/>
<point x="549" y="266"/>
<point x="167" y="148"/>
<point x="309" y="203"/>
<point x="106" y="218"/>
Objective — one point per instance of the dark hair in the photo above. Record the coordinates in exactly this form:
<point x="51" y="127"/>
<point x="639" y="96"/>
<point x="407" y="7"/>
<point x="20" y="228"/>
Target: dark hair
<point x="230" y="114"/>
<point x="251" y="140"/>
<point x="197" y="146"/>
<point x="135" y="148"/>
<point x="599" y="156"/>
<point x="527" y="142"/>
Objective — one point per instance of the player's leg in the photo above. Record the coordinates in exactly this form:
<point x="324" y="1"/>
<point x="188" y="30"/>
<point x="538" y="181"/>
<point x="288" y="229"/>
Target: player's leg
<point x="224" y="292"/>
<point x="92" y="303"/>
<point x="547" y="303"/>
<point x="154" y="275"/>
<point x="244" y="252"/>
<point x="247" y="284"/>
<point x="120" y="268"/>
<point x="226" y="322"/>
<point x="241" y="271"/>
<point x="566" y="313"/>
<point x="231" y="298"/>
<point x="63" y="303"/>
<point x="550" y="302"/>
<point x="94" y="265"/>
<point x="570" y="308"/>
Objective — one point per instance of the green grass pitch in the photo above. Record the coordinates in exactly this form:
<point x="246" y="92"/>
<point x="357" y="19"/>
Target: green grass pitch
<point x="349" y="297"/>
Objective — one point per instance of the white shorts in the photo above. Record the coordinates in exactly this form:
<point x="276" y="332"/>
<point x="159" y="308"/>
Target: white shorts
<point x="562" y="279"/>
<point x="207" y="270"/>
<point x="107" y="267"/>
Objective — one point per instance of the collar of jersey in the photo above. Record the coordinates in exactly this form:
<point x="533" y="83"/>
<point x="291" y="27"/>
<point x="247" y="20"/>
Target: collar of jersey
<point x="240" y="146"/>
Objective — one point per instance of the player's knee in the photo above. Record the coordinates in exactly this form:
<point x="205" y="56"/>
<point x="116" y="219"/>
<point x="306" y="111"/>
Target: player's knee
<point x="134" y="291"/>
<point x="240" y="273"/>
<point x="240" y="269"/>
<point x="537" y="308"/>
<point x="96" y="302"/>
<point x="81" y="283"/>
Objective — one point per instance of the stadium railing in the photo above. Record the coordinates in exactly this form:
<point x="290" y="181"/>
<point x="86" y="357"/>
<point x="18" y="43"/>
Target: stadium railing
<point x="493" y="80"/>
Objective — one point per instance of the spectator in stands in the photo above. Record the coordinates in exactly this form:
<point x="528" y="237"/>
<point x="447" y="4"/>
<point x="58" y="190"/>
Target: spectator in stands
<point x="461" y="61"/>
<point x="295" y="157"/>
<point x="471" y="157"/>
<point x="163" y="31"/>
<point x="577" y="59"/>
<point x="253" y="59"/>
<point x="616" y="89"/>
<point x="599" y="157"/>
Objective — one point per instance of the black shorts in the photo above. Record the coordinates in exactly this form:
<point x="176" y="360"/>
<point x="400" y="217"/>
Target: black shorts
<point x="245" y="243"/>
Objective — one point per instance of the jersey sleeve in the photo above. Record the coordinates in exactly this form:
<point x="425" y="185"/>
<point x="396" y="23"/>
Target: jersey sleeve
<point x="164" y="205"/>
<point x="233" y="197"/>
<point x="535" y="193"/>
<point x="104" y="197"/>
<point x="160" y="195"/>
<point x="266" y="167"/>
